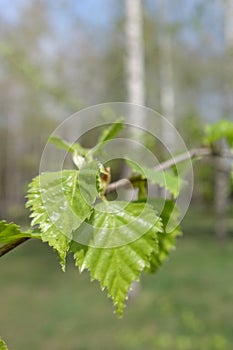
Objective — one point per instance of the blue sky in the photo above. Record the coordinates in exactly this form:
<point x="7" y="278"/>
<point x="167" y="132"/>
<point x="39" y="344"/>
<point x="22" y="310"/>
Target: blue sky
<point x="98" y="15"/>
<point x="95" y="12"/>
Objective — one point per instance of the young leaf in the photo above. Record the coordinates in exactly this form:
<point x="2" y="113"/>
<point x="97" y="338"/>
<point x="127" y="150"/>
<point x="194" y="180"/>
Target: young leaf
<point x="3" y="345"/>
<point x="9" y="233"/>
<point x="124" y="237"/>
<point x="59" y="205"/>
<point x="67" y="146"/>
<point x="166" y="241"/>
<point x="219" y="130"/>
<point x="109" y="134"/>
<point x="162" y="178"/>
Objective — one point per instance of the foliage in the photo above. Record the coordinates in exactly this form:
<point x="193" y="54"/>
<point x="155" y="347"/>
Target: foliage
<point x="58" y="206"/>
<point x="162" y="178"/>
<point x="123" y="240"/>
<point x="166" y="240"/>
<point x="2" y="345"/>
<point x="179" y="306"/>
<point x="114" y="240"/>
<point x="221" y="129"/>
<point x="11" y="232"/>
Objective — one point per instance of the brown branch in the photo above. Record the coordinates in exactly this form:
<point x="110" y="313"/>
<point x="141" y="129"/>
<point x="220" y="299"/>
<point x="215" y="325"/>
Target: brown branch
<point x="10" y="246"/>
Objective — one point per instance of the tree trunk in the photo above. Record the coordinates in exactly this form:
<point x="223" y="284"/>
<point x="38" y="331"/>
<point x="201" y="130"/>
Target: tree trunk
<point x="222" y="175"/>
<point x="222" y="166"/>
<point x="135" y="69"/>
<point x="167" y="95"/>
<point x="135" y="78"/>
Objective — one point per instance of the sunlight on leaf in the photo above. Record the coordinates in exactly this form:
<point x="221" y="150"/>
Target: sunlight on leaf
<point x="59" y="207"/>
<point x="116" y="266"/>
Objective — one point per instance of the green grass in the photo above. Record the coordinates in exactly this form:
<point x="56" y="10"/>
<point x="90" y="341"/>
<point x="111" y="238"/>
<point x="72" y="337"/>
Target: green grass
<point x="187" y="305"/>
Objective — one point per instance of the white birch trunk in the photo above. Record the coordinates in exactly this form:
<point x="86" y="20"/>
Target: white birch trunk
<point x="167" y="94"/>
<point x="135" y="77"/>
<point x="135" y="69"/>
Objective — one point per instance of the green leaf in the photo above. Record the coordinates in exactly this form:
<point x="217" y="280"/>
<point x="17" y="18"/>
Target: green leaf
<point x="77" y="150"/>
<point x="59" y="204"/>
<point x="88" y="180"/>
<point x="166" y="240"/>
<point x="109" y="134"/>
<point x="221" y="129"/>
<point x="67" y="146"/>
<point x="164" y="179"/>
<point x="11" y="232"/>
<point x="3" y="345"/>
<point x="122" y="238"/>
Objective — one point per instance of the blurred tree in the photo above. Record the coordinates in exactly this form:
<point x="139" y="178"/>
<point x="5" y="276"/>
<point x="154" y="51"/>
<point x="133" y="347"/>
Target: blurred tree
<point x="18" y="40"/>
<point x="223" y="166"/>
<point x="135" y="69"/>
<point x="135" y="78"/>
<point x="50" y="69"/>
<point x="29" y="101"/>
<point x="167" y="94"/>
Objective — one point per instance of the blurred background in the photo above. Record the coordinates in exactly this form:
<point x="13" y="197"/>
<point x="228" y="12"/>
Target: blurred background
<point x="60" y="57"/>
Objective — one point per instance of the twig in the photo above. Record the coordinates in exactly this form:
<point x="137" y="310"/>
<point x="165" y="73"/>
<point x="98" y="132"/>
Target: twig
<point x="124" y="183"/>
<point x="193" y="153"/>
<point x="10" y="246"/>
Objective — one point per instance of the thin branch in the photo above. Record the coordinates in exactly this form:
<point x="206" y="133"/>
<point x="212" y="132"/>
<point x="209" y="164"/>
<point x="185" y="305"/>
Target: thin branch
<point x="193" y="153"/>
<point x="126" y="183"/>
<point x="10" y="246"/>
<point x="118" y="184"/>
